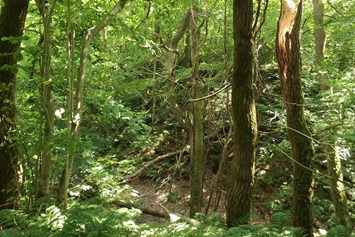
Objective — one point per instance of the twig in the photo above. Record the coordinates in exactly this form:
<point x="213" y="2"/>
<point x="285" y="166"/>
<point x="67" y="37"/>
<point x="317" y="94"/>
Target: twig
<point x="211" y="95"/>
<point x="147" y="15"/>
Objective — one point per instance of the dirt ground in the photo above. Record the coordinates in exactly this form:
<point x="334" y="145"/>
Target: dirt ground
<point x="173" y="197"/>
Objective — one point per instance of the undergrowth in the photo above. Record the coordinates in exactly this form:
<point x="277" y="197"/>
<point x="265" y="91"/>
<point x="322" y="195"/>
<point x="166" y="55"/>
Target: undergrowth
<point x="93" y="218"/>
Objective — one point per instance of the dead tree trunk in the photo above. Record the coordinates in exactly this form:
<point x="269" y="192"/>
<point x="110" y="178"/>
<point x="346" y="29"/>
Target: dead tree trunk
<point x="289" y="61"/>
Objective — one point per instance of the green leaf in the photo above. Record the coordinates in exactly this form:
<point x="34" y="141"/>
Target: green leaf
<point x="18" y="56"/>
<point x="350" y="137"/>
<point x="13" y="39"/>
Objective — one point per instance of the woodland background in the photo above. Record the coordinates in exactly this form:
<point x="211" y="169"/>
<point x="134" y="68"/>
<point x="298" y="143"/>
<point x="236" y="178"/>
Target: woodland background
<point x="118" y="116"/>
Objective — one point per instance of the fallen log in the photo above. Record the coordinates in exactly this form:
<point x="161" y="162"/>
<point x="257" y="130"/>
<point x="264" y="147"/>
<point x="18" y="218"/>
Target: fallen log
<point x="162" y="214"/>
<point x="144" y="210"/>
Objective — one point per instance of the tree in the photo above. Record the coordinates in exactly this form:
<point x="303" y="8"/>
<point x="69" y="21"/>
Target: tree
<point x="241" y="178"/>
<point x="12" y="20"/>
<point x="289" y="61"/>
<point x="46" y="10"/>
<point x="77" y="110"/>
<point x="335" y="173"/>
<point x="192" y="127"/>
<point x="197" y="136"/>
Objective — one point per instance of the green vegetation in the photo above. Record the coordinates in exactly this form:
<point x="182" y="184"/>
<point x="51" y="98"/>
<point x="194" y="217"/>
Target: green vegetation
<point x="151" y="118"/>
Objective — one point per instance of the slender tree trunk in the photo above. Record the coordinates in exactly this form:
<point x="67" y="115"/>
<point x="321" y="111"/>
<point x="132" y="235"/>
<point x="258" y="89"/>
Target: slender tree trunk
<point x="244" y="117"/>
<point x="170" y="64"/>
<point x="47" y="101"/>
<point x="12" y="20"/>
<point x="289" y="60"/>
<point x="337" y="188"/>
<point x="319" y="39"/>
<point x="194" y="129"/>
<point x="105" y="41"/>
<point x="197" y="151"/>
<point x="319" y="32"/>
<point x="333" y="160"/>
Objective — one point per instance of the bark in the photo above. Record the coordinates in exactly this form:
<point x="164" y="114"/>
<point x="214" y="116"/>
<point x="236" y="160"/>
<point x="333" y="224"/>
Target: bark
<point x="333" y="160"/>
<point x="47" y="102"/>
<point x="105" y="41"/>
<point x="318" y="31"/>
<point x="145" y="210"/>
<point x="171" y="59"/>
<point x="289" y="61"/>
<point x="244" y="117"/>
<point x="186" y="61"/>
<point x="12" y="20"/>
<point x="162" y="214"/>
<point x="319" y="39"/>
<point x="197" y="145"/>
<point x="337" y="188"/>
<point x="77" y="109"/>
<point x="63" y="186"/>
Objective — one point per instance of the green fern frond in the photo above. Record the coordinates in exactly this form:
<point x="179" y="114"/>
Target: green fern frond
<point x="10" y="218"/>
<point x="338" y="231"/>
<point x="11" y="232"/>
<point x="299" y="232"/>
<point x="280" y="219"/>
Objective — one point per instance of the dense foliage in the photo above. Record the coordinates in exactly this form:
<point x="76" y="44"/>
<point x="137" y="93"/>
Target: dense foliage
<point x="127" y="121"/>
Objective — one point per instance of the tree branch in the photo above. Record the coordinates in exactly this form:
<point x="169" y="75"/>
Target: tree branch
<point x="139" y="172"/>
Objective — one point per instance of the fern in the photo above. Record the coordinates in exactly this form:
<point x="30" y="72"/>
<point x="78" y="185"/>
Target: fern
<point x="11" y="232"/>
<point x="338" y="231"/>
<point x="10" y="218"/>
<point x="280" y="219"/>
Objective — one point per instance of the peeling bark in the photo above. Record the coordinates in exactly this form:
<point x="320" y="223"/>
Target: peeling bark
<point x="289" y="60"/>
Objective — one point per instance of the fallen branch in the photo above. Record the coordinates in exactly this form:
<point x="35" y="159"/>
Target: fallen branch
<point x="139" y="172"/>
<point x="144" y="210"/>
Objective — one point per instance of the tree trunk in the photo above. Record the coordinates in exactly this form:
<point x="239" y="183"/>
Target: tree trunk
<point x="186" y="61"/>
<point x="170" y="64"/>
<point x="47" y="102"/>
<point x="244" y="117"/>
<point x="197" y="146"/>
<point x="319" y="39"/>
<point x="337" y="188"/>
<point x="289" y="60"/>
<point x="12" y="20"/>
<point x="333" y="160"/>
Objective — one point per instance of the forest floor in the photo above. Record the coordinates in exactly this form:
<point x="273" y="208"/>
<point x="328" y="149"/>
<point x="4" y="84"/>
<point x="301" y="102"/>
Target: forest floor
<point x="173" y="198"/>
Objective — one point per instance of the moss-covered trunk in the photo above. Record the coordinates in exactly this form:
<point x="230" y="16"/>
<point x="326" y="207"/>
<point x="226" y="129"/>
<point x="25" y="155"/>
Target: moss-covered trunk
<point x="337" y="188"/>
<point x="289" y="60"/>
<point x="244" y="117"/>
<point x="12" y="20"/>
